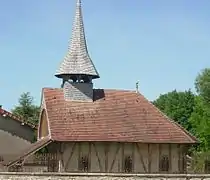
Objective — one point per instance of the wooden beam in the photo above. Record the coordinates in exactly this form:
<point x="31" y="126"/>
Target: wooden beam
<point x="115" y="156"/>
<point x="184" y="152"/>
<point x="79" y="155"/>
<point x="123" y="157"/>
<point x="60" y="156"/>
<point x="170" y="158"/>
<point x="89" y="156"/>
<point x="106" y="156"/>
<point x="149" y="157"/>
<point x="97" y="155"/>
<point x="141" y="157"/>
<point x="179" y="158"/>
<point x="159" y="159"/>
<point x="70" y="156"/>
<point x="133" y="157"/>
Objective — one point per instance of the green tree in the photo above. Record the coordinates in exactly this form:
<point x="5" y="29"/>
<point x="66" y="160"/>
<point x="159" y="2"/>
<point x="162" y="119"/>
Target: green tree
<point x="193" y="113"/>
<point x="177" y="105"/>
<point x="200" y="118"/>
<point x="200" y="121"/>
<point x="202" y="84"/>
<point x="26" y="109"/>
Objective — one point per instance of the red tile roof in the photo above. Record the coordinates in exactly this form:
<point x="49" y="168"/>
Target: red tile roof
<point x="114" y="115"/>
<point x="5" y="113"/>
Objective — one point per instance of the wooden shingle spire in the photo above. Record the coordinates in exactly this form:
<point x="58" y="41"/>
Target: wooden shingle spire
<point x="77" y="61"/>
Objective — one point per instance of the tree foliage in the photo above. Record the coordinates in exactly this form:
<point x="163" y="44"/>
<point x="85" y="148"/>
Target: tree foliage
<point x="200" y="122"/>
<point x="202" y="85"/>
<point x="200" y="118"/>
<point x="193" y="113"/>
<point x="177" y="105"/>
<point x="26" y="109"/>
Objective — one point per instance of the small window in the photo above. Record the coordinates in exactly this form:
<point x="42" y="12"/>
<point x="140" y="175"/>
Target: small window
<point x="164" y="163"/>
<point x="1" y="158"/>
<point x="128" y="164"/>
<point x="84" y="164"/>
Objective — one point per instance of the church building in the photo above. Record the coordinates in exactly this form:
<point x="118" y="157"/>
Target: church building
<point x="104" y="130"/>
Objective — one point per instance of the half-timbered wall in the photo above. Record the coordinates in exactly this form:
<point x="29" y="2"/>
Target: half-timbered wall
<point x="110" y="157"/>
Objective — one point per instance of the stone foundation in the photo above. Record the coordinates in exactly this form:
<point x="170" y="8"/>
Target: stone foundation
<point x="100" y="176"/>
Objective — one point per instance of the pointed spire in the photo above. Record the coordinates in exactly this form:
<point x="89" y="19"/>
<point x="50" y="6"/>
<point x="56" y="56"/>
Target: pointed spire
<point x="77" y="61"/>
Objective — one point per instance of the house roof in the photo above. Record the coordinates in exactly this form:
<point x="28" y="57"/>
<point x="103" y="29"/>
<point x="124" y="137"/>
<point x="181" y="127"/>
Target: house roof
<point x="6" y="113"/>
<point x="114" y="115"/>
<point x="77" y="60"/>
<point x="27" y="152"/>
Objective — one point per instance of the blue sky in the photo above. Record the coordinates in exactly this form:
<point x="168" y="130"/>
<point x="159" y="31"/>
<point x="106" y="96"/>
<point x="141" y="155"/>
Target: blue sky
<point x="163" y="44"/>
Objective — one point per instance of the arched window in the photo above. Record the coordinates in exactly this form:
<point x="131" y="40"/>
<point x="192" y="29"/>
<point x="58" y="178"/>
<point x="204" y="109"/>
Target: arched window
<point x="43" y="128"/>
<point x="84" y="164"/>
<point x="164" y="163"/>
<point x="128" y="164"/>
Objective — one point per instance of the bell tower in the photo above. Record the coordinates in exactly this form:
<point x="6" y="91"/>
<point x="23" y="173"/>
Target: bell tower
<point x="77" y="69"/>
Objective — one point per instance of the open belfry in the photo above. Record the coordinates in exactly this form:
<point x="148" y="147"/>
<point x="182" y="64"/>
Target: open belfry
<point x="104" y="130"/>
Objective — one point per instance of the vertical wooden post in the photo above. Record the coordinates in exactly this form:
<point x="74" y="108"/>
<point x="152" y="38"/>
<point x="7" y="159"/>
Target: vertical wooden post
<point x="184" y="158"/>
<point x="60" y="166"/>
<point x="60" y="157"/>
<point x="123" y="157"/>
<point x="160" y="154"/>
<point x="170" y="158"/>
<point x="149" y="157"/>
<point x="179" y="158"/>
<point x="106" y="156"/>
<point x="89" y="156"/>
<point x="79" y="156"/>
<point x="133" y="157"/>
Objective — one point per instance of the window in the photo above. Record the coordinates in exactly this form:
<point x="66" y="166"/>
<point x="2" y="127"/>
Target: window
<point x="128" y="164"/>
<point x="1" y="158"/>
<point x="164" y="163"/>
<point x="84" y="164"/>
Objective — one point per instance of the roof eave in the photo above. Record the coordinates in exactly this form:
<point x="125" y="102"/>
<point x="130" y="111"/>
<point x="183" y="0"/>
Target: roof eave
<point x="62" y="75"/>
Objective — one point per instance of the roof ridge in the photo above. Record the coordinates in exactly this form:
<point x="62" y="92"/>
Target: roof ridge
<point x="127" y="90"/>
<point x="51" y="88"/>
<point x="109" y="89"/>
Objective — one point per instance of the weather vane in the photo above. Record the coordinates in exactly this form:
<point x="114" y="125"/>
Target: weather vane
<point x="137" y="86"/>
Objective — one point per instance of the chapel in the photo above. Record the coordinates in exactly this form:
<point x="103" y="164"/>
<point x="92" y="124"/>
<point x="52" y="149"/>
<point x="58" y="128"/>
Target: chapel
<point x="104" y="130"/>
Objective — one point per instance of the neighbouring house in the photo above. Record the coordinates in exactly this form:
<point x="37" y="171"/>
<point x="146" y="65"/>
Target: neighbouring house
<point x="15" y="134"/>
<point x="103" y="130"/>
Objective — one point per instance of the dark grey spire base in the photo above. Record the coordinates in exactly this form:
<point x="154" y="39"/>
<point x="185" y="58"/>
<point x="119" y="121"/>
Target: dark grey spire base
<point x="76" y="91"/>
